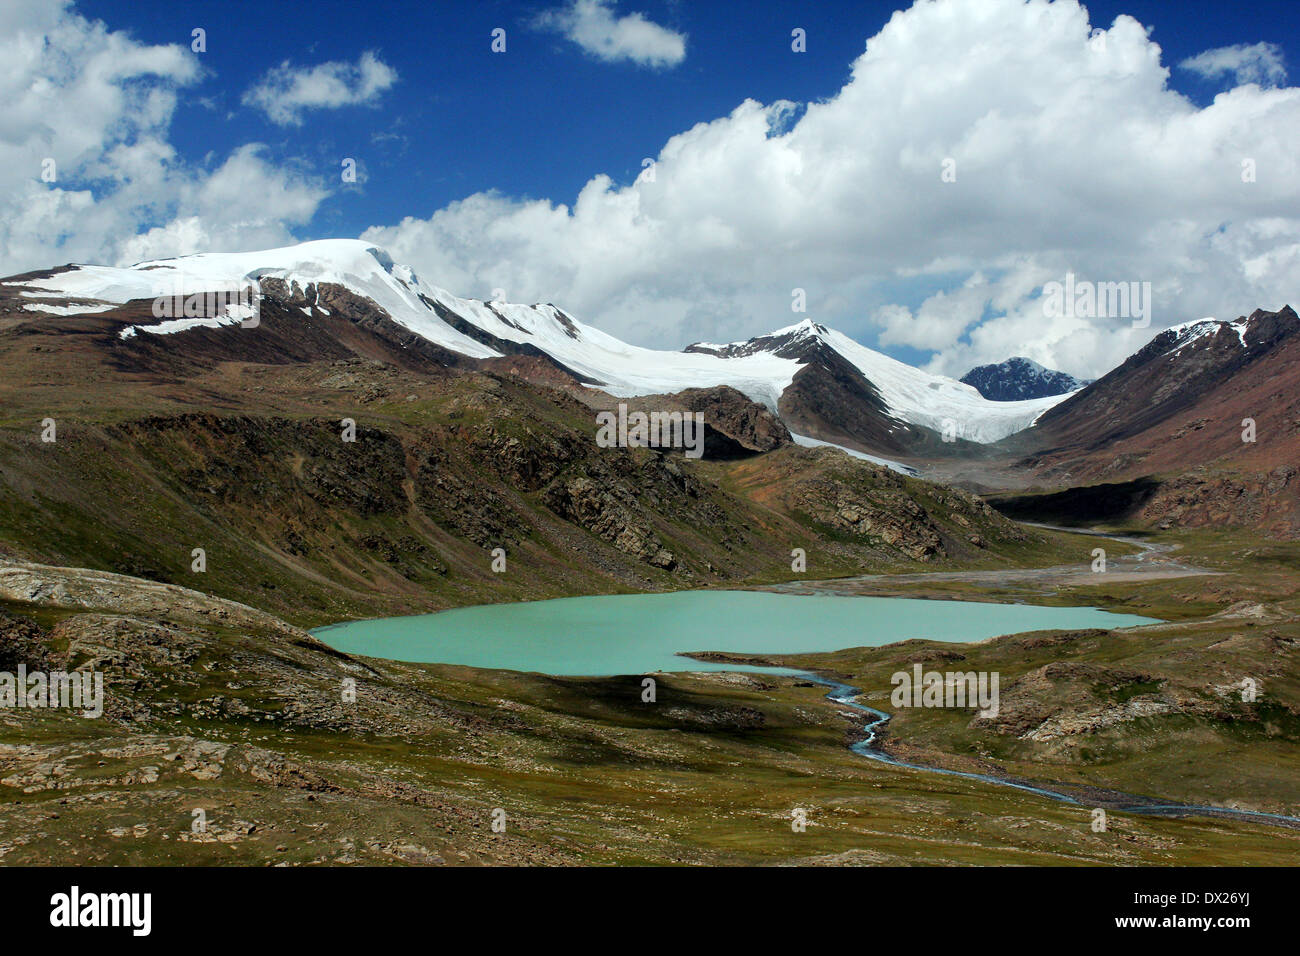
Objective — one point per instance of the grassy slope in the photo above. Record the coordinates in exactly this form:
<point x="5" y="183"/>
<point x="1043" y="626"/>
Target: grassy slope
<point x="296" y="521"/>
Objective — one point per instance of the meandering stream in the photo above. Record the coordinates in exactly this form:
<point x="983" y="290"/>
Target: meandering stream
<point x="1110" y="800"/>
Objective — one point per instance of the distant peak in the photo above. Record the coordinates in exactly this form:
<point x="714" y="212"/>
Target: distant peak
<point x="1019" y="379"/>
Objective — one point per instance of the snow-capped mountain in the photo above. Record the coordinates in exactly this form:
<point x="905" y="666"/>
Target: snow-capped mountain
<point x="905" y="394"/>
<point x="826" y="386"/>
<point x="1018" y="379"/>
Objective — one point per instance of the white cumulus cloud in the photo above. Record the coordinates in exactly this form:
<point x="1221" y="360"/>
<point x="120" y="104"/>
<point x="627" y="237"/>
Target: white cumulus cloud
<point x="592" y="25"/>
<point x="287" y="91"/>
<point x="245" y="203"/>
<point x="1066" y="154"/>
<point x="1261" y="63"/>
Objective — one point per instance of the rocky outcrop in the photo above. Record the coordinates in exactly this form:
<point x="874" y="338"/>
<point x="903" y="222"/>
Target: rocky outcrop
<point x="89" y="589"/>
<point x="880" y="517"/>
<point x="527" y="459"/>
<point x="746" y="423"/>
<point x="581" y="500"/>
<point x="21" y="643"/>
<point x="893" y="513"/>
<point x="734" y="425"/>
<point x="476" y="513"/>
<point x="1269" y="502"/>
<point x="1067" y="699"/>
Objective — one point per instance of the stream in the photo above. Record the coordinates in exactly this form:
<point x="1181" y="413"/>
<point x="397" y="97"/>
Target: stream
<point x="1110" y="800"/>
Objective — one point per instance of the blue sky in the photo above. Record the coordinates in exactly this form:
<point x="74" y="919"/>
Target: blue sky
<point x="1119" y="158"/>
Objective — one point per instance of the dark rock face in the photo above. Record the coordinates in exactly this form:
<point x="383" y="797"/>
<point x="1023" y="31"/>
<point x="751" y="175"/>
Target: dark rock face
<point x="747" y="424"/>
<point x="21" y="644"/>
<point x="621" y="499"/>
<point x="831" y="400"/>
<point x="584" y="502"/>
<point x="734" y="426"/>
<point x="1019" y="379"/>
<point x="221" y="462"/>
<point x="477" y="514"/>
<point x="528" y="461"/>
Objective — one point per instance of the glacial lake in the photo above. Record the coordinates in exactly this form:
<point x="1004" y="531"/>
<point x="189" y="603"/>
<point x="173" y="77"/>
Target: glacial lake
<point x="644" y="633"/>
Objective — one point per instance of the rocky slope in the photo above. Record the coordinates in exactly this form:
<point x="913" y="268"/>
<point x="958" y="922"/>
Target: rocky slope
<point x="1180" y="399"/>
<point x="1206" y="414"/>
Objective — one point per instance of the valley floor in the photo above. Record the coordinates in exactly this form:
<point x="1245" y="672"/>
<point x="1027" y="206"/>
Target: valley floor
<point x="227" y="739"/>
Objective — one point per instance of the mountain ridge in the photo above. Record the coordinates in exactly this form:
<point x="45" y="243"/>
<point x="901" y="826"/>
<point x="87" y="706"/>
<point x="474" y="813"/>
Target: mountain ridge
<point x="890" y="406"/>
<point x="336" y="300"/>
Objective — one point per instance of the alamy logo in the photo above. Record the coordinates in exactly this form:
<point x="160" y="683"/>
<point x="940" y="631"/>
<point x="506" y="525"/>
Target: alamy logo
<point x="75" y="908"/>
<point x="651" y="430"/>
<point x="954" y="689"/>
<point x="1073" y="299"/>
<point x="78" y="690"/>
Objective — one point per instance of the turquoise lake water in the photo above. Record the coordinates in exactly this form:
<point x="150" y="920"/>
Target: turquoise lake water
<point x="643" y="633"/>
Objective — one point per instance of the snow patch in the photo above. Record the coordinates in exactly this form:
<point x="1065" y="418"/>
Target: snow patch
<point x="1188" y="332"/>
<point x="67" y="309"/>
<point x="232" y="314"/>
<point x="806" y="442"/>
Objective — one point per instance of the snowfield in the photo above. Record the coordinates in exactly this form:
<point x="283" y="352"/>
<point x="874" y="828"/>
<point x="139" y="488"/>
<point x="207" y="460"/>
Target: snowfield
<point x="935" y="401"/>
